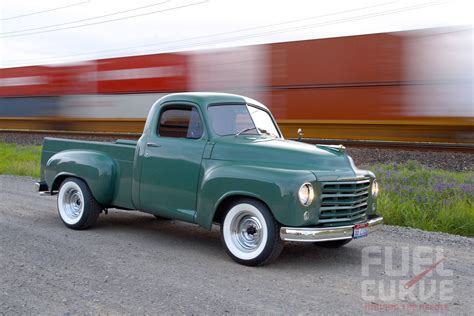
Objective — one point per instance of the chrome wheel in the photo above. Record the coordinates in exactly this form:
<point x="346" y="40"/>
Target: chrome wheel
<point x="246" y="231"/>
<point x="71" y="203"/>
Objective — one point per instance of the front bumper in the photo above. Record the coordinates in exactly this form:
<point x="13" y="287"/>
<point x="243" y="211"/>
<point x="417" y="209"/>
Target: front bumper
<point x="315" y="234"/>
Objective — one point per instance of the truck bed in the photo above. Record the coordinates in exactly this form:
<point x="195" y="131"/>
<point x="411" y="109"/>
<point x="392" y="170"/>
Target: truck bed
<point x="121" y="151"/>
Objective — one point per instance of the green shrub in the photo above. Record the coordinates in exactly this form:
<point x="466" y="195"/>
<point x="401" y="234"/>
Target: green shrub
<point x="416" y="196"/>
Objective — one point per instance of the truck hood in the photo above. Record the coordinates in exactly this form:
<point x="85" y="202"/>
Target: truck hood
<point x="323" y="161"/>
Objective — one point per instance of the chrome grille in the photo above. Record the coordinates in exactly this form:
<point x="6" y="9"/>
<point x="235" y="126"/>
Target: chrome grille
<point x="344" y="201"/>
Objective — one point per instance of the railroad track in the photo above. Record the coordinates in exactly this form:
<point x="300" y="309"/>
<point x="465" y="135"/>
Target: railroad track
<point x="402" y="145"/>
<point x="432" y="131"/>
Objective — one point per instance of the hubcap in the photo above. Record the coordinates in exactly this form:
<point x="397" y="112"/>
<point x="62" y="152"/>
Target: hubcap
<point x="72" y="202"/>
<point x="246" y="232"/>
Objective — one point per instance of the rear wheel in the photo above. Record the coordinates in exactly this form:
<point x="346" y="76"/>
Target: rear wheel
<point x="250" y="234"/>
<point x="333" y="243"/>
<point x="77" y="207"/>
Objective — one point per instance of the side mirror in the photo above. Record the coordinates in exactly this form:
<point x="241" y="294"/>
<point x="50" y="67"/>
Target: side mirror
<point x="300" y="133"/>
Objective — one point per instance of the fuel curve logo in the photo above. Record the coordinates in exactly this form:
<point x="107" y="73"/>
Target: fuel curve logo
<point x="405" y="278"/>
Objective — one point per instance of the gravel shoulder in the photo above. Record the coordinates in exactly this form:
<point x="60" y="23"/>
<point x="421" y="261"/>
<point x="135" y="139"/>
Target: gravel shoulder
<point x="132" y="263"/>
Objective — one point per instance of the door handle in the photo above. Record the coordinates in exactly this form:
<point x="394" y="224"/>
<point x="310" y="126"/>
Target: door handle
<point x="153" y="145"/>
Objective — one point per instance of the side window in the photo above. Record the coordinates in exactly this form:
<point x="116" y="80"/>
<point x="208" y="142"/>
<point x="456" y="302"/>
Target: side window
<point x="180" y="122"/>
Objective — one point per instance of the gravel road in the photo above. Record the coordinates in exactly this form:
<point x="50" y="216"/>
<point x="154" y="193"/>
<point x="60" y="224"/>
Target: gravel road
<point x="131" y="262"/>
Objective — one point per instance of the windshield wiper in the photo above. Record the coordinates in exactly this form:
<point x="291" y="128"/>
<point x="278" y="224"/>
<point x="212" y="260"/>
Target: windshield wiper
<point x="261" y="130"/>
<point x="245" y="130"/>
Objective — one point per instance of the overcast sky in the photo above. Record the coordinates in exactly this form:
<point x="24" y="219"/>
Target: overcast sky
<point x="58" y="31"/>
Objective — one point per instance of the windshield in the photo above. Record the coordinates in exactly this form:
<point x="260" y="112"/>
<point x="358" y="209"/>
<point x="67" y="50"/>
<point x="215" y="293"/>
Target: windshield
<point x="237" y="119"/>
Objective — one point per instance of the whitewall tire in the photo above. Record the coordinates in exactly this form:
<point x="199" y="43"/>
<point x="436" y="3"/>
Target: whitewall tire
<point x="77" y="207"/>
<point x="250" y="234"/>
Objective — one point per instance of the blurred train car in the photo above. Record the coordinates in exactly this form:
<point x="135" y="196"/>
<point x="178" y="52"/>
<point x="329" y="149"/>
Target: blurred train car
<point x="404" y="86"/>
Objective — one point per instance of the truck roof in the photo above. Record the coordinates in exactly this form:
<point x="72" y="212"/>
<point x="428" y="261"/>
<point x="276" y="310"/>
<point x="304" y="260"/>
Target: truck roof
<point x="205" y="98"/>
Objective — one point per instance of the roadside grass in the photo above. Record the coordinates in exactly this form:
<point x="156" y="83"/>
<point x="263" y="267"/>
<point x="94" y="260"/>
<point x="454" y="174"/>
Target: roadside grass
<point x="20" y="160"/>
<point x="435" y="200"/>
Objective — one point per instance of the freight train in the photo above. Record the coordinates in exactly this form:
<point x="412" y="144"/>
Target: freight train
<point x="402" y="86"/>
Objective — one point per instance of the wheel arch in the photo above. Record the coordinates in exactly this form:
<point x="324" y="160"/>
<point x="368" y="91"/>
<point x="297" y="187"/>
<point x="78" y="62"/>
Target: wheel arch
<point x="60" y="179"/>
<point x="230" y="198"/>
<point x="96" y="169"/>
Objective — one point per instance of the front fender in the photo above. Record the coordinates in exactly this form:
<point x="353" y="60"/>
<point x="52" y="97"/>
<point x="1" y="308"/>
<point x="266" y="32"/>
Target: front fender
<point x="97" y="169"/>
<point x="275" y="187"/>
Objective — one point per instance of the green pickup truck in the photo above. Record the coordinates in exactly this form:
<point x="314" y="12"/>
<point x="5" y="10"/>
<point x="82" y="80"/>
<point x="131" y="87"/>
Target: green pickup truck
<point x="213" y="158"/>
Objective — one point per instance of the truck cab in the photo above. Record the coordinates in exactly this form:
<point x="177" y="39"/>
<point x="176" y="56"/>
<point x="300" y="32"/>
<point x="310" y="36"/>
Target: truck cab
<point x="213" y="158"/>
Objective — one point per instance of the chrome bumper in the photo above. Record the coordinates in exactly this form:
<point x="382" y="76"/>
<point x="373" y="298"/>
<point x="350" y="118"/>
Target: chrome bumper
<point x="42" y="188"/>
<point x="315" y="234"/>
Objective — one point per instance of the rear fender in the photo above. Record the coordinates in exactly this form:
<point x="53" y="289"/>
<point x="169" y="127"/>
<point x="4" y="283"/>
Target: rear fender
<point x="97" y="169"/>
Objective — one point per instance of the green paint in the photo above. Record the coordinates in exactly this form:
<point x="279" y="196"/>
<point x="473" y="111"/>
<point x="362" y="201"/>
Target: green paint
<point x="187" y="179"/>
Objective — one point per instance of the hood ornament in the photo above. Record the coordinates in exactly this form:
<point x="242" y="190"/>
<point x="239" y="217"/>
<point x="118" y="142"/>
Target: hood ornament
<point x="341" y="148"/>
<point x="300" y="133"/>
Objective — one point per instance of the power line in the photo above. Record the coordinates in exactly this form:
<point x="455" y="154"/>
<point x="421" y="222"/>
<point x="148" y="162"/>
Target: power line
<point x="448" y="32"/>
<point x="83" y="20"/>
<point x="100" y="22"/>
<point x="219" y="34"/>
<point x="343" y="20"/>
<point x="44" y="11"/>
<point x="313" y="25"/>
<point x="233" y="32"/>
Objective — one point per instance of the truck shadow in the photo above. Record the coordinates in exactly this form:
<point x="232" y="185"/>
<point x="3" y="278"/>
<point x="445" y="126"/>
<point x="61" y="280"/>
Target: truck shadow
<point x="191" y="239"/>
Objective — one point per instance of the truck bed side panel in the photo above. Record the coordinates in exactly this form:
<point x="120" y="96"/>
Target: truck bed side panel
<point x="121" y="153"/>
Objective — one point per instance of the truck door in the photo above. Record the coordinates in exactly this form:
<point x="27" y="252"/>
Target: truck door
<point x="171" y="164"/>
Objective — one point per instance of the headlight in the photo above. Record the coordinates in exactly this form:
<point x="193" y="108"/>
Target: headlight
<point x="375" y="189"/>
<point x="306" y="194"/>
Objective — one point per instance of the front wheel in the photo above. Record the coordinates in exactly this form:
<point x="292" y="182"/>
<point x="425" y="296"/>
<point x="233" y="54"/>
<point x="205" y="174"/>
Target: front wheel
<point x="77" y="207"/>
<point x="250" y="234"/>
